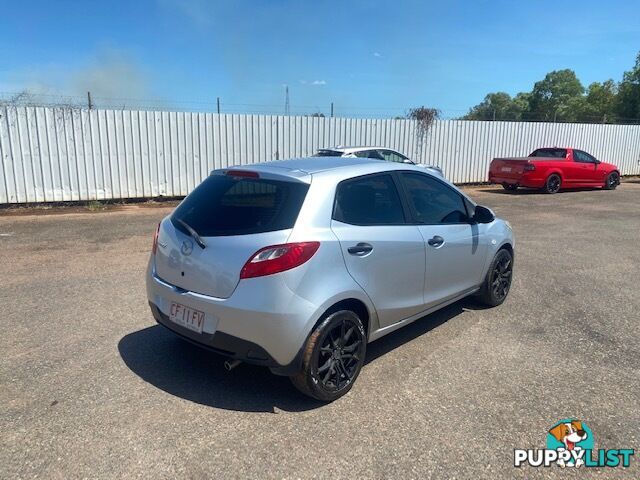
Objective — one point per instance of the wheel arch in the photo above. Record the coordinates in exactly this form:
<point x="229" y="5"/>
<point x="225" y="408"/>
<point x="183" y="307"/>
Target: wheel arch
<point x="353" y="304"/>
<point x="555" y="171"/>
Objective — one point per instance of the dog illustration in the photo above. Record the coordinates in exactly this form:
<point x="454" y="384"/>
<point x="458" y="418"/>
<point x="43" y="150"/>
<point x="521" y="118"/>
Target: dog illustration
<point x="569" y="433"/>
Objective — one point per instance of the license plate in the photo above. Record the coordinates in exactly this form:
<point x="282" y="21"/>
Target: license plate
<point x="506" y="169"/>
<point x="186" y="317"/>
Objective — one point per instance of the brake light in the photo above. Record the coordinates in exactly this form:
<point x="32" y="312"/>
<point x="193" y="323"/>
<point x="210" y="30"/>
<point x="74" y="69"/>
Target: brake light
<point x="278" y="258"/>
<point x="155" y="240"/>
<point x="529" y="167"/>
<point x="242" y="173"/>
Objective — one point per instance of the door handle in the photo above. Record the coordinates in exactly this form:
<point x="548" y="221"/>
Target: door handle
<point x="436" y="241"/>
<point x="360" y="250"/>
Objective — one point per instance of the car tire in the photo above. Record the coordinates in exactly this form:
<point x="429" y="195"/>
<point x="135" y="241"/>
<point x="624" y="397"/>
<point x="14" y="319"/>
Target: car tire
<point x="497" y="282"/>
<point x="332" y="357"/>
<point x="553" y="183"/>
<point x="613" y="180"/>
<point x="510" y="187"/>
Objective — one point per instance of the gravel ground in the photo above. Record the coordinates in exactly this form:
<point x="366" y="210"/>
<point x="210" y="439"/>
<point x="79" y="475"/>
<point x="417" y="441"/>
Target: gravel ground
<point x="90" y="386"/>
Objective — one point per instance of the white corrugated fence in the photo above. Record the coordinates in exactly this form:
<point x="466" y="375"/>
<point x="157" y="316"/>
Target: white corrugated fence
<point x="68" y="154"/>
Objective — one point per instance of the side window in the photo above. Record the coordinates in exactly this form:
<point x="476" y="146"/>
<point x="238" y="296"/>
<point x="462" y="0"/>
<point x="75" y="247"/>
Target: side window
<point x="390" y="156"/>
<point x="370" y="200"/>
<point x="369" y="154"/>
<point x="582" y="157"/>
<point x="434" y="202"/>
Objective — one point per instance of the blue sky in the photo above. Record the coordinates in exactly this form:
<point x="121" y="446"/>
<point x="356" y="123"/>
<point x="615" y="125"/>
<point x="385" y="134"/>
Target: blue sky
<point x="371" y="58"/>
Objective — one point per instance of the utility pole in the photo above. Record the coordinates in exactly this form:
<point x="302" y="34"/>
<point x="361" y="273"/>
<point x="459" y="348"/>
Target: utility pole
<point x="331" y="109"/>
<point x="286" y="100"/>
<point x="218" y="104"/>
<point x="89" y="100"/>
<point x="494" y="114"/>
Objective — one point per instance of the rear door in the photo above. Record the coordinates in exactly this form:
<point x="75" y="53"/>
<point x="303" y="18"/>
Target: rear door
<point x="456" y="248"/>
<point x="233" y="217"/>
<point x="383" y="253"/>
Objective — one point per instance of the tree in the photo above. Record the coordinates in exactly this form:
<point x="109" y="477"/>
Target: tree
<point x="628" y="98"/>
<point x="599" y="103"/>
<point x="552" y="96"/>
<point x="499" y="106"/>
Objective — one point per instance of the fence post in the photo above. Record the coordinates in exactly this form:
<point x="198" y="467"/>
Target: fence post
<point x="218" y="104"/>
<point x="89" y="100"/>
<point x="331" y="109"/>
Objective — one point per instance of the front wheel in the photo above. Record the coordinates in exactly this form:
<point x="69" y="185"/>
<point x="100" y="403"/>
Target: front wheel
<point x="553" y="183"/>
<point x="332" y="357"/>
<point x="613" y="180"/>
<point x="497" y="283"/>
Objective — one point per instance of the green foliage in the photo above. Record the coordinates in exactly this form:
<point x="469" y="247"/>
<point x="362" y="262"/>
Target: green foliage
<point x="561" y="97"/>
<point x="628" y="98"/>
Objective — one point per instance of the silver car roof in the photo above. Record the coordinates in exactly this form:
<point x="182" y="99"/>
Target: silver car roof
<point x="344" y="167"/>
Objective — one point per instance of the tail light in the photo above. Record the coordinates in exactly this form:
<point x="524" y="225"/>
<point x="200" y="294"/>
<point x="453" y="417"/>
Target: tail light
<point x="155" y="240"/>
<point x="529" y="167"/>
<point x="242" y="174"/>
<point x="278" y="258"/>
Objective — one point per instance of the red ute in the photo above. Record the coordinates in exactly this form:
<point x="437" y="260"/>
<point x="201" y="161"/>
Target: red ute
<point x="552" y="169"/>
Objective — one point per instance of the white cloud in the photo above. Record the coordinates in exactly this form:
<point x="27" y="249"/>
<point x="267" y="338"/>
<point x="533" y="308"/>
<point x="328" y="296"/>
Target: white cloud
<point x="377" y="54"/>
<point x="319" y="82"/>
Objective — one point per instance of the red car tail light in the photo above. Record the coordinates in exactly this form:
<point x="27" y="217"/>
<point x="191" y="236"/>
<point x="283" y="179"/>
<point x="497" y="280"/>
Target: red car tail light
<point x="529" y="167"/>
<point x="278" y="258"/>
<point x="155" y="240"/>
<point x="242" y="173"/>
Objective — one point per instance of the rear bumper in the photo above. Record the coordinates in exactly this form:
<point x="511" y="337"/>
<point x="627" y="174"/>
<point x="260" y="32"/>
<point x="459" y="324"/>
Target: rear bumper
<point x="218" y="342"/>
<point x="263" y="324"/>
<point x="521" y="181"/>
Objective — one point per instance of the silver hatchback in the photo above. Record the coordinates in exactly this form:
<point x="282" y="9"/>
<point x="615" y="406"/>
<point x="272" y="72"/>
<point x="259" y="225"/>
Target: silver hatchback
<point x="298" y="264"/>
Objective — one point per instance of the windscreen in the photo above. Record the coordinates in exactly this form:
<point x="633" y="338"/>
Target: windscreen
<point x="550" y="153"/>
<point x="224" y="205"/>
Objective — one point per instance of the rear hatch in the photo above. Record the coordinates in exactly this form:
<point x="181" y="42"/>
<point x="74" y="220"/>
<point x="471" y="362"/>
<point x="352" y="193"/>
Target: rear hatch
<point x="232" y="216"/>
<point x="508" y="168"/>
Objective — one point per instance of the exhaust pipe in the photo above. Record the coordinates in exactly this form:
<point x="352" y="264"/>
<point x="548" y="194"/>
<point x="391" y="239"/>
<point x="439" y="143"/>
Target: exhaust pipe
<point x="231" y="364"/>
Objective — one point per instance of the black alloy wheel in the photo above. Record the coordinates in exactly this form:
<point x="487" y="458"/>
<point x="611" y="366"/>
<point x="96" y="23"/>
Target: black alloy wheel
<point x="553" y="183"/>
<point x="497" y="282"/>
<point x="332" y="357"/>
<point x="501" y="277"/>
<point x="613" y="180"/>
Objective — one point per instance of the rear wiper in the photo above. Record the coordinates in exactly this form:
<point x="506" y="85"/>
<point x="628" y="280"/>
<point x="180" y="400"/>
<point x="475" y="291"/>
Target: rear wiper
<point x="193" y="233"/>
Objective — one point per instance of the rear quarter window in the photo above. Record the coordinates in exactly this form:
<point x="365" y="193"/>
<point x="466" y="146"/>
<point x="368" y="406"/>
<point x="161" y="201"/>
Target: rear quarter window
<point x="223" y="205"/>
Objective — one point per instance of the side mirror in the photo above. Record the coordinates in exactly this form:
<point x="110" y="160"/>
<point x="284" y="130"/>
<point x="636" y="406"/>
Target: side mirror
<point x="483" y="215"/>
<point x="597" y="162"/>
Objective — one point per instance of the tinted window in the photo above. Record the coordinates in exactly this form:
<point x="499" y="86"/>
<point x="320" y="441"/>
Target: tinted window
<point x="433" y="201"/>
<point x="583" y="157"/>
<point x="371" y="200"/>
<point x="369" y="154"/>
<point x="224" y="205"/>
<point x="550" y="153"/>
<point x="390" y="156"/>
<point x="328" y="153"/>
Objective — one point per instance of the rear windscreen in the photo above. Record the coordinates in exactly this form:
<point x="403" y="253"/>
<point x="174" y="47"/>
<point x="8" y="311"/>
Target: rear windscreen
<point x="224" y="205"/>
<point x="550" y="153"/>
